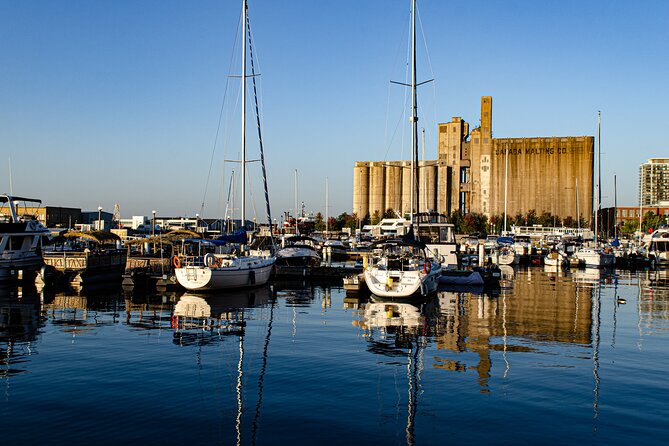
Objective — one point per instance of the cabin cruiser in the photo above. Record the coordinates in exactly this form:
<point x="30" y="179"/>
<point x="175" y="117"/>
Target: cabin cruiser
<point x="439" y="237"/>
<point x="20" y="237"/>
<point x="504" y="253"/>
<point x="657" y="245"/>
<point x="299" y="250"/>
<point x="595" y="257"/>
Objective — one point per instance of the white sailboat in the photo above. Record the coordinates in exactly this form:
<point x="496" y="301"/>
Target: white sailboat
<point x="403" y="268"/>
<point x="224" y="271"/>
<point x="596" y="257"/>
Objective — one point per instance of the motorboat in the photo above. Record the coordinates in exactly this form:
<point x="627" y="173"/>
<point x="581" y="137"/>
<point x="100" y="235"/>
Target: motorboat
<point x="595" y="258"/>
<point x="438" y="234"/>
<point x="299" y="250"/>
<point x="556" y="258"/>
<point x="657" y="244"/>
<point x="20" y="237"/>
<point x="477" y="276"/>
<point x="504" y="254"/>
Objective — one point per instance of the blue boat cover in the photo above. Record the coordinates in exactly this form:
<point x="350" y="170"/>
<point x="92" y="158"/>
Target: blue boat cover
<point x="235" y="237"/>
<point x="505" y="240"/>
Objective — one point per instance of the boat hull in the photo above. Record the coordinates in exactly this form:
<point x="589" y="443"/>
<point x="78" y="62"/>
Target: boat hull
<point x="246" y="273"/>
<point x="401" y="284"/>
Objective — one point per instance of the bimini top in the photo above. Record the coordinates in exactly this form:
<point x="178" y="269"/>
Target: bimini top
<point x="5" y="198"/>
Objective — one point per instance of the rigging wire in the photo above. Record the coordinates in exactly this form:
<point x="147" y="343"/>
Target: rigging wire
<point x="432" y="76"/>
<point x="262" y="151"/>
<point x="218" y="127"/>
<point x="389" y="143"/>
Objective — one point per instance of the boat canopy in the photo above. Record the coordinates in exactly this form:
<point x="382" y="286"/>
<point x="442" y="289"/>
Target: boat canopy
<point x="234" y="237"/>
<point x="4" y="198"/>
<point x="94" y="236"/>
<point x="505" y="240"/>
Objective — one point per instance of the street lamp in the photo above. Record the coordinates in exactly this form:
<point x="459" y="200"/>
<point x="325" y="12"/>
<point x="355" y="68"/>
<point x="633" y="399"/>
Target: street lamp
<point x="99" y="217"/>
<point x="153" y="224"/>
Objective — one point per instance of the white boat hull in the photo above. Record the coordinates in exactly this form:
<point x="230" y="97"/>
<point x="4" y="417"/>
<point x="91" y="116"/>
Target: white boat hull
<point x="245" y="272"/>
<point x="595" y="259"/>
<point x="401" y="284"/>
<point x="505" y="258"/>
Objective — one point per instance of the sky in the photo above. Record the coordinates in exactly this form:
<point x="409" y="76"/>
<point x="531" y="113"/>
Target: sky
<point x="132" y="102"/>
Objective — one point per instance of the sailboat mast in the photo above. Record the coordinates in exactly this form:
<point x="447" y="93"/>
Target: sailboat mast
<point x="578" y="212"/>
<point x="506" y="180"/>
<point x="597" y="191"/>
<point x="414" y="115"/>
<point x="327" y="229"/>
<point x="615" y="208"/>
<point x="243" y="208"/>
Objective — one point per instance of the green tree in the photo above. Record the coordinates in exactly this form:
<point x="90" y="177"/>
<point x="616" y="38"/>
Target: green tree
<point x="376" y="218"/>
<point x="320" y="224"/>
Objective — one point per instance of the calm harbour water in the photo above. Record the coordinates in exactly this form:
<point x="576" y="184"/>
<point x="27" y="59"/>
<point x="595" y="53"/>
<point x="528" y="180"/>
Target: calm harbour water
<point x="553" y="358"/>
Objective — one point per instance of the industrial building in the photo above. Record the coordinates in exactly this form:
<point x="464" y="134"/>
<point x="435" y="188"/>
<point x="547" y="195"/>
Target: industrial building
<point x="475" y="172"/>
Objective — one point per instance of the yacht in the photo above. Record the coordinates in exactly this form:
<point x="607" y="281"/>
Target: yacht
<point x="299" y="250"/>
<point x="20" y="237"/>
<point x="438" y="235"/>
<point x="595" y="258"/>
<point x="658" y="246"/>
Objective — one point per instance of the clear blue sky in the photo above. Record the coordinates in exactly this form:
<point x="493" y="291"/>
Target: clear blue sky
<point x="105" y="102"/>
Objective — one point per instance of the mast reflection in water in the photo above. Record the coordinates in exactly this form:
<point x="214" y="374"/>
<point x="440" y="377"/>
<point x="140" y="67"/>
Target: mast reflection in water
<point x="577" y="356"/>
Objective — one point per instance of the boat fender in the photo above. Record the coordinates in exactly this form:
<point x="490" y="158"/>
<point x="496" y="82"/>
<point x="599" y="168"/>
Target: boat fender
<point x="427" y="266"/>
<point x="176" y="262"/>
<point x="252" y="277"/>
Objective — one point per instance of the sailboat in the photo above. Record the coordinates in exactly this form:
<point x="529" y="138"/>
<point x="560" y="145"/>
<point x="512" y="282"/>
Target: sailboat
<point x="403" y="268"/>
<point x="595" y="257"/>
<point x="217" y="271"/>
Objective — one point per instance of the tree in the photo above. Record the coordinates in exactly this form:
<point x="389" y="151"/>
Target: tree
<point x="320" y="224"/>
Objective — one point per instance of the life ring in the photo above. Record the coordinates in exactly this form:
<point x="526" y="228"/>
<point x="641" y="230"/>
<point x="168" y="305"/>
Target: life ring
<point x="211" y="261"/>
<point x="176" y="262"/>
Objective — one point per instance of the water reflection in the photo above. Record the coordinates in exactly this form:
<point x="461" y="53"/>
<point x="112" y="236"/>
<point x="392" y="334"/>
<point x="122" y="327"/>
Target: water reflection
<point x="19" y="328"/>
<point x="204" y="318"/>
<point x="400" y="330"/>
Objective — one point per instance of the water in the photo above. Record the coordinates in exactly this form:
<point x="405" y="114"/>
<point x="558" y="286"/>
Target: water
<point x="552" y="359"/>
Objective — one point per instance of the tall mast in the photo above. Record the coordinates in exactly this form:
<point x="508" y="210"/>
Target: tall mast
<point x="414" y="114"/>
<point x="244" y="13"/>
<point x="599" y="165"/>
<point x="615" y="208"/>
<point x="506" y="180"/>
<point x="296" y="211"/>
<point x="326" y="206"/>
